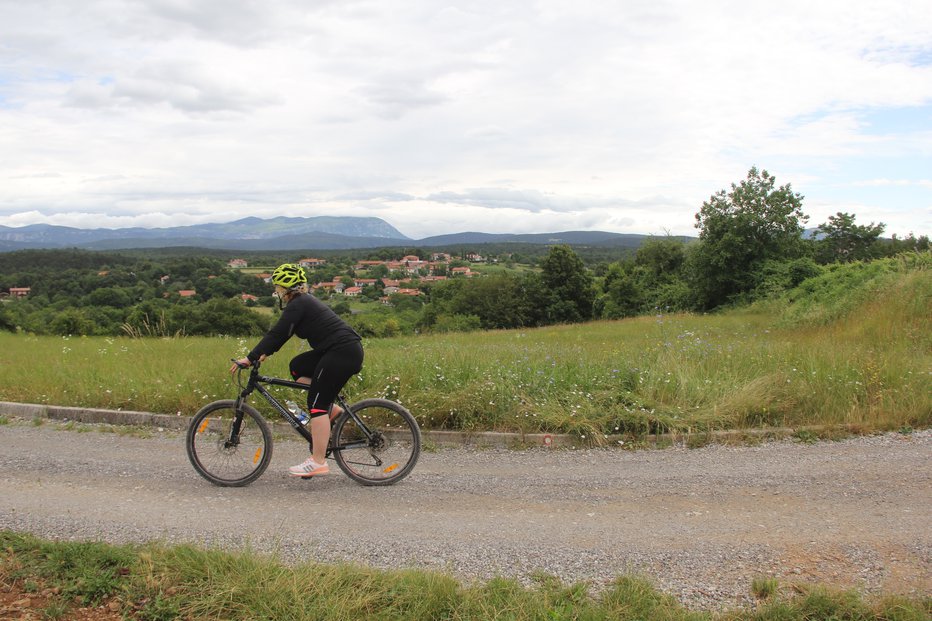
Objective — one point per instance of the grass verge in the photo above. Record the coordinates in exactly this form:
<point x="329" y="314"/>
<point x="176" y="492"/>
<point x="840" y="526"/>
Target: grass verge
<point x="155" y="583"/>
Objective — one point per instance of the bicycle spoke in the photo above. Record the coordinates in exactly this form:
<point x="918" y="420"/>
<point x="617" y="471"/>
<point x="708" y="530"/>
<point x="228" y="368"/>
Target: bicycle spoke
<point x="226" y="460"/>
<point x="389" y="451"/>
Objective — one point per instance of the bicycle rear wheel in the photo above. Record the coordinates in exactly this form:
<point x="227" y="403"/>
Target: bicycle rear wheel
<point x="386" y="451"/>
<point x="223" y="457"/>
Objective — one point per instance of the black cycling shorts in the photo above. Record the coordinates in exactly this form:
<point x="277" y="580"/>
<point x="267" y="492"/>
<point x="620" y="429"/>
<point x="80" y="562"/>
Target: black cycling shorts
<point x="329" y="371"/>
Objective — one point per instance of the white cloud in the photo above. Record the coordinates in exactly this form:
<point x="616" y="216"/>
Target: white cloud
<point x="500" y="116"/>
<point x="926" y="183"/>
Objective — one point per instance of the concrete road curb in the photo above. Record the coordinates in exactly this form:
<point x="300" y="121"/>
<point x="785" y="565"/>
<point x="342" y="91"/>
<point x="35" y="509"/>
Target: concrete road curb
<point x="93" y="415"/>
<point x="485" y="438"/>
<point x="178" y="422"/>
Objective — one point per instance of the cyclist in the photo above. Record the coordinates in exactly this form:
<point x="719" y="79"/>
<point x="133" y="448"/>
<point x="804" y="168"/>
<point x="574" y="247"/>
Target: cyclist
<point x="336" y="356"/>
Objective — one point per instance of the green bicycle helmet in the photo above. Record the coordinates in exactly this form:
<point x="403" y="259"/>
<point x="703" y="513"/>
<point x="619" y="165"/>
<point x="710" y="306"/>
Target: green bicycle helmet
<point x="289" y="275"/>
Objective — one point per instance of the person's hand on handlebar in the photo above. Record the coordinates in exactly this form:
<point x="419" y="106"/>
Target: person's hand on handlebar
<point x="244" y="363"/>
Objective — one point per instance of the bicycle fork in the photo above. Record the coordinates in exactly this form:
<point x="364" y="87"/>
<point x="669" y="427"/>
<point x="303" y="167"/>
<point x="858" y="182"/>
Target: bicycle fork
<point x="237" y="425"/>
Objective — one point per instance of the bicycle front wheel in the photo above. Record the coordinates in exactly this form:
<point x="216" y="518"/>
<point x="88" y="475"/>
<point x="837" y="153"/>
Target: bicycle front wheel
<point x="226" y="448"/>
<point x="382" y="453"/>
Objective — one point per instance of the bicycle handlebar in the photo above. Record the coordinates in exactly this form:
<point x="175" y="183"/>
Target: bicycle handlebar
<point x="244" y="384"/>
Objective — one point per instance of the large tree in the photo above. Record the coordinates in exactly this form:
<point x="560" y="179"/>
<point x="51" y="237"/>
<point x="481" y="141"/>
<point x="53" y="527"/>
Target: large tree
<point x="740" y="230"/>
<point x="842" y="240"/>
<point x="496" y="301"/>
<point x="624" y="296"/>
<point x="569" y="286"/>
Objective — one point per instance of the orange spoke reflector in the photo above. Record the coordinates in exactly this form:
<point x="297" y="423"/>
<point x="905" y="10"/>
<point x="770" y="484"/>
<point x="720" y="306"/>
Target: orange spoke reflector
<point x="390" y="468"/>
<point x="258" y="454"/>
<point x="203" y="426"/>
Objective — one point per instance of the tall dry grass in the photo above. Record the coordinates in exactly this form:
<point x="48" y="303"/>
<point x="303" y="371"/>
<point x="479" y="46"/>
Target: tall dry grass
<point x="813" y="358"/>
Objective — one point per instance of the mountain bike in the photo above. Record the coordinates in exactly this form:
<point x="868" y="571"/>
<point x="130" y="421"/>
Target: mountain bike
<point x="229" y="443"/>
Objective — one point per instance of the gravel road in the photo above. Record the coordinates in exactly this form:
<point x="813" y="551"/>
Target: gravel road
<point x="701" y="523"/>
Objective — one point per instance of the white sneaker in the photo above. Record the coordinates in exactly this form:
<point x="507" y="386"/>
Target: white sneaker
<point x="309" y="468"/>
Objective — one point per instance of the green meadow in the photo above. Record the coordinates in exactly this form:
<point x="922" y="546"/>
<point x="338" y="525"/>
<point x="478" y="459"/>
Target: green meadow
<point x="850" y="348"/>
<point x="156" y="583"/>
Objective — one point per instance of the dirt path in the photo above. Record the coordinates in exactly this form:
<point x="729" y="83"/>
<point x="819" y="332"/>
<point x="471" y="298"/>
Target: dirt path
<point x="701" y="523"/>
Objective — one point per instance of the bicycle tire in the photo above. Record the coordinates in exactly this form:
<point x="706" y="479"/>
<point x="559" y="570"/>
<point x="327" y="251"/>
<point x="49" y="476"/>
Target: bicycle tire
<point x="389" y="455"/>
<point x="215" y="458"/>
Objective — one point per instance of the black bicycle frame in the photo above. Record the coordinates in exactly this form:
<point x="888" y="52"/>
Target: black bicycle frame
<point x="256" y="382"/>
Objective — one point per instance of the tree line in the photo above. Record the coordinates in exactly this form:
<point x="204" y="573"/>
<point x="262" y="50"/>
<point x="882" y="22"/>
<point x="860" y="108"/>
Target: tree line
<point x="81" y="292"/>
<point x="751" y="245"/>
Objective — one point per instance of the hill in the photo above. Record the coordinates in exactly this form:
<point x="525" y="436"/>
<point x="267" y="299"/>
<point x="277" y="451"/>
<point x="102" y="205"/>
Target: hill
<point x="573" y="238"/>
<point x="256" y="234"/>
<point x="247" y="234"/>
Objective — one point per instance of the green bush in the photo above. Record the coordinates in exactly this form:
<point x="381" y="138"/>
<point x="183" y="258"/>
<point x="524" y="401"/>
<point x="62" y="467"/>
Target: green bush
<point x="838" y="290"/>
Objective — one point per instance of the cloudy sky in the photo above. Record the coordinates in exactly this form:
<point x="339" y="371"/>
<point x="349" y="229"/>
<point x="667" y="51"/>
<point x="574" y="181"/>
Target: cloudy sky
<point x="481" y="115"/>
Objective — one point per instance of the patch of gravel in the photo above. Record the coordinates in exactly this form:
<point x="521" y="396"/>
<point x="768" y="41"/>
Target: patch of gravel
<point x="700" y="523"/>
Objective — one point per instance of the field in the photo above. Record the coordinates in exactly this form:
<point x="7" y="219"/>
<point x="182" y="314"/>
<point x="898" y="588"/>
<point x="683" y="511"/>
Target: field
<point x="853" y="349"/>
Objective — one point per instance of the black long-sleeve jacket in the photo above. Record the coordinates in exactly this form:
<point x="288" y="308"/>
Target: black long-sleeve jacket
<point x="308" y="318"/>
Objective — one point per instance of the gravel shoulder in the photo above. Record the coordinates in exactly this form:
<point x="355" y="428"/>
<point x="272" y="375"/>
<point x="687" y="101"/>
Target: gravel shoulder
<point x="701" y="523"/>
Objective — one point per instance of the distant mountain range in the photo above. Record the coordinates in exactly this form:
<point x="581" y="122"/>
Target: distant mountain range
<point x="282" y="233"/>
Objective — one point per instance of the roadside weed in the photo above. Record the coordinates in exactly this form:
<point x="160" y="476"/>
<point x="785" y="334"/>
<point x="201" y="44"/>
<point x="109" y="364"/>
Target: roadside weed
<point x="764" y="588"/>
<point x="160" y="583"/>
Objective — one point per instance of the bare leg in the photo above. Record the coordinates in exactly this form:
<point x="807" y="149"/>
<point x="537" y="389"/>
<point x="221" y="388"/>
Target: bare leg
<point x="320" y="433"/>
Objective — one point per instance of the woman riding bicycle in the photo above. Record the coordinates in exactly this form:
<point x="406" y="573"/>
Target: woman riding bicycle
<point x="336" y="356"/>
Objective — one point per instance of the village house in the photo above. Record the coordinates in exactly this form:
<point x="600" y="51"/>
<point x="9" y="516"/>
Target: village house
<point x="413" y="264"/>
<point x="248" y="297"/>
<point x="238" y="263"/>
<point x="187" y="293"/>
<point x="311" y="262"/>
<point x="409" y="264"/>
<point x="386" y="299"/>
<point x="335" y="286"/>
<point x="352" y="292"/>
<point x="19" y="292"/>
<point x="461" y="271"/>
